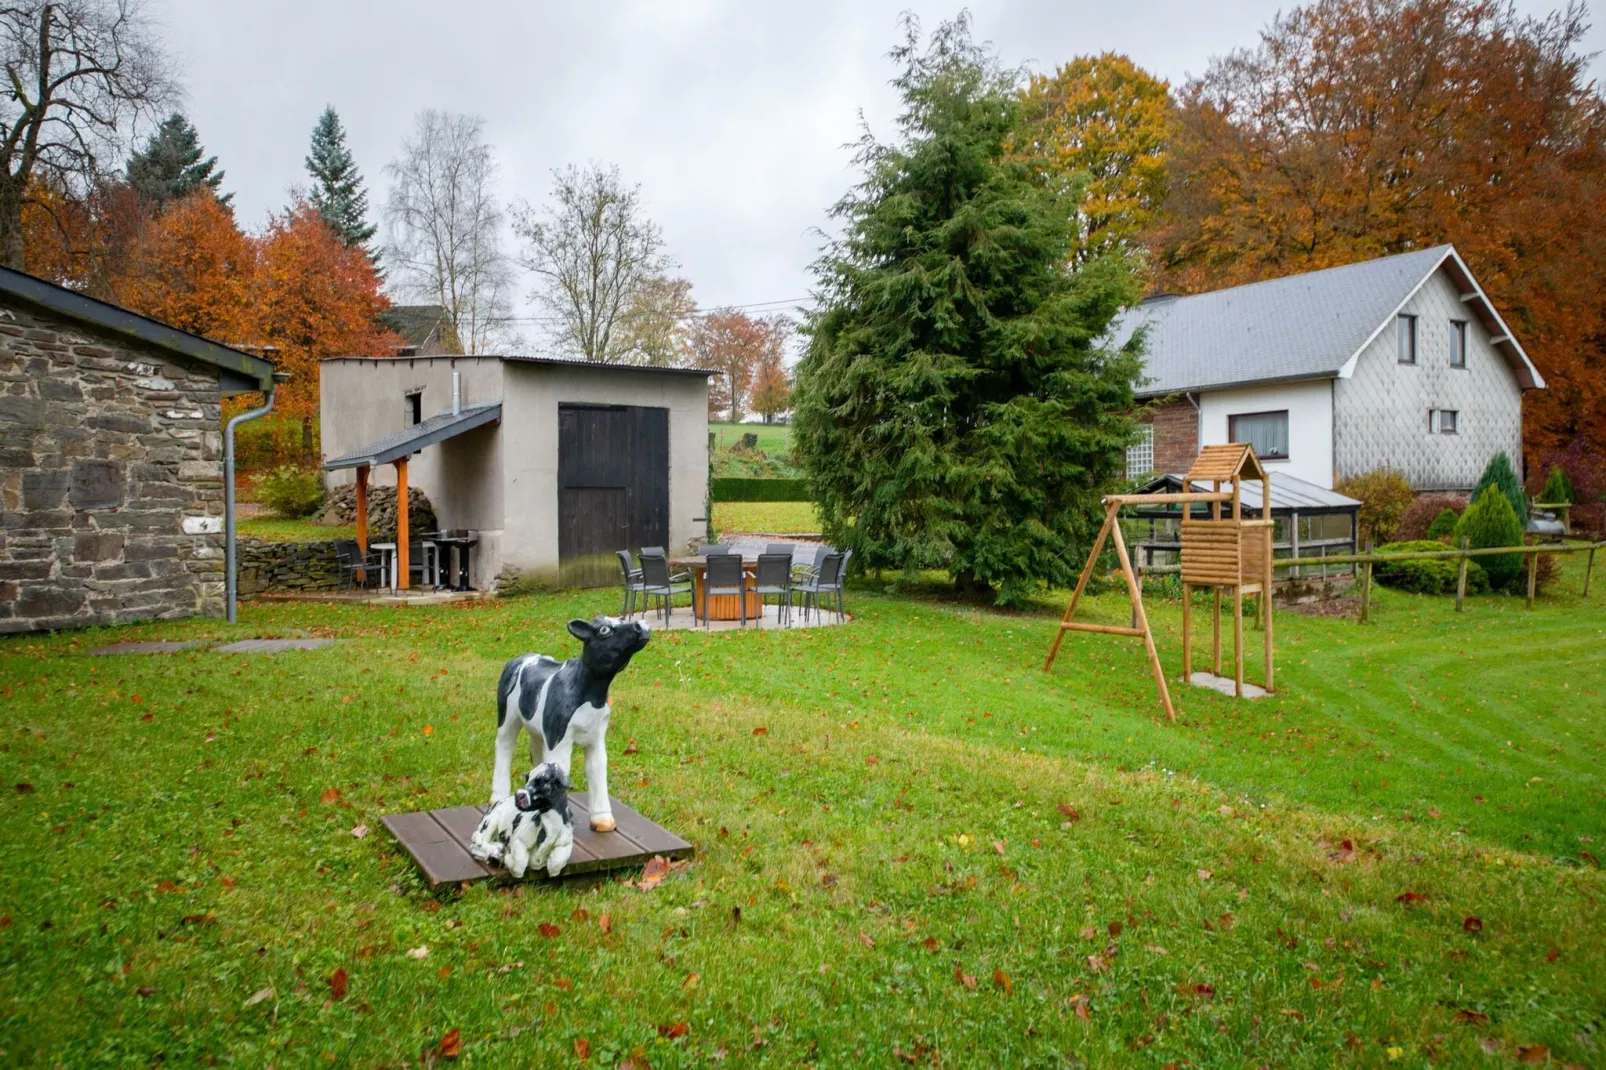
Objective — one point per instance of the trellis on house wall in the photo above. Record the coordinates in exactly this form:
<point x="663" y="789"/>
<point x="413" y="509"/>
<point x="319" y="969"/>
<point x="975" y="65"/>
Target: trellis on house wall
<point x="1229" y="554"/>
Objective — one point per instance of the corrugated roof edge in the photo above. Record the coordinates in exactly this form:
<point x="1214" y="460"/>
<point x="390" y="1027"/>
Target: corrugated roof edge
<point x="560" y="362"/>
<point x="118" y="320"/>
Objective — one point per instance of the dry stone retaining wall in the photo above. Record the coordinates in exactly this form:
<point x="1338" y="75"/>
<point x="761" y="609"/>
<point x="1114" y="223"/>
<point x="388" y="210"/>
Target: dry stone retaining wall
<point x="111" y="479"/>
<point x="286" y="566"/>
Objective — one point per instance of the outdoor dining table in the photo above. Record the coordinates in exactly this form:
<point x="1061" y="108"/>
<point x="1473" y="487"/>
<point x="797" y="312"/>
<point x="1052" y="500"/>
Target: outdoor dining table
<point x="461" y="544"/>
<point x="721" y="606"/>
<point x="388" y="551"/>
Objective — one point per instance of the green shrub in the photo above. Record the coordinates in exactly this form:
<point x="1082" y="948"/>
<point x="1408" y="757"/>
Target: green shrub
<point x="1434" y="576"/>
<point x="1499" y="473"/>
<point x="1490" y="521"/>
<point x="1384" y="494"/>
<point x="732" y="489"/>
<point x="1443" y="526"/>
<point x="292" y="492"/>
<point x="1558" y="488"/>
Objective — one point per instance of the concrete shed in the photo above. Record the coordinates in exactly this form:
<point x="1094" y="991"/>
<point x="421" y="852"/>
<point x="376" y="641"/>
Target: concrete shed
<point x="552" y="464"/>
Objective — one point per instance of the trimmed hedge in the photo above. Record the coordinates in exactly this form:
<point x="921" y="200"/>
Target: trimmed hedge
<point x="1435" y="576"/>
<point x="736" y="489"/>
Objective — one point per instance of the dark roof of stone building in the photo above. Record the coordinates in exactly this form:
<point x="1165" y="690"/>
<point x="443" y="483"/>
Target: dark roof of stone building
<point x="418" y="325"/>
<point x="243" y="372"/>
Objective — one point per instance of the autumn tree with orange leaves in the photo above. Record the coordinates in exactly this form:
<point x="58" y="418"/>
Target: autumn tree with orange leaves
<point x="735" y="344"/>
<point x="1361" y="128"/>
<point x="314" y="297"/>
<point x="191" y="268"/>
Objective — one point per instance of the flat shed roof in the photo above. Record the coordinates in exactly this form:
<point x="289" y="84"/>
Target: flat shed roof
<point x="410" y="440"/>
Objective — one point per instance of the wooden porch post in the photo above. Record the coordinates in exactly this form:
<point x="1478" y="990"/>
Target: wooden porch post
<point x="362" y="519"/>
<point x="403" y="578"/>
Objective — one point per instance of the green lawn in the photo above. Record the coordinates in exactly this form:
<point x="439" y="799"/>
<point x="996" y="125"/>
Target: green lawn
<point x="279" y="529"/>
<point x="772" y="438"/>
<point x="913" y="845"/>
<point x="775" y="518"/>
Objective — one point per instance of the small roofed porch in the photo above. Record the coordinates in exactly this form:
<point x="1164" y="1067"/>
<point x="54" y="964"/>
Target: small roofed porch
<point x="397" y="449"/>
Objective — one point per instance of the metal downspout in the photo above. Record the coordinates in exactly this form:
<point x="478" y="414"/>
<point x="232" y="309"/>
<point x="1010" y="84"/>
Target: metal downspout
<point x="230" y="581"/>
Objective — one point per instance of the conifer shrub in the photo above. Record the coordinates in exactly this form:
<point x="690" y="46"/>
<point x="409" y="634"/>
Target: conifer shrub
<point x="1500" y="473"/>
<point x="1433" y="576"/>
<point x="1443" y="526"/>
<point x="1488" y="522"/>
<point x="292" y="492"/>
<point x="1558" y="488"/>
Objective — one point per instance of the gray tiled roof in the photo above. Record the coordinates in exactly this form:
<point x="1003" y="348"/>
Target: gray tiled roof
<point x="409" y="440"/>
<point x="1287" y="493"/>
<point x="1299" y="327"/>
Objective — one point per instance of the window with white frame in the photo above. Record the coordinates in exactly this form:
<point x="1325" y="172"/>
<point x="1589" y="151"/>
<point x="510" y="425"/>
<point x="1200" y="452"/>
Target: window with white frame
<point x="1140" y="455"/>
<point x="1444" y="421"/>
<point x="1266" y="431"/>
<point x="1405" y="336"/>
<point x="1458" y="343"/>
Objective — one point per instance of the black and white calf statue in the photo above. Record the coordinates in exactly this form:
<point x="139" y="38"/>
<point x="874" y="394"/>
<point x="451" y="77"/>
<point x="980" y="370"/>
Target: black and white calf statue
<point x="564" y="705"/>
<point x="531" y="827"/>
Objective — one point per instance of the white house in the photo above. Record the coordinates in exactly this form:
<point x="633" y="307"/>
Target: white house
<point x="1400" y="361"/>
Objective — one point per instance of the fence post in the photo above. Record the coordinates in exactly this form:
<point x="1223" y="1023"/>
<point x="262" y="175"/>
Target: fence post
<point x="1533" y="574"/>
<point x="1366" y="586"/>
<point x="1461" y="579"/>
<point x="1589" y="568"/>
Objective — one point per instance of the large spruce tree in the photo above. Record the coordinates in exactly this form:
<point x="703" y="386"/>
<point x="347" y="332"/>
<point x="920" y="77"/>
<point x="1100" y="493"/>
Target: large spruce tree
<point x="956" y="407"/>
<point x="172" y="164"/>
<point x="337" y="190"/>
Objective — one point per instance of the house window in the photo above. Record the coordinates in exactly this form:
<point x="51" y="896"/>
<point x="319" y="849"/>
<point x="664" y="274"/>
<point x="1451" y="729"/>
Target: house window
<point x="415" y="407"/>
<point x="1458" y="343"/>
<point x="1405" y="333"/>
<point x="1140" y="455"/>
<point x="1448" y="421"/>
<point x="1266" y="431"/>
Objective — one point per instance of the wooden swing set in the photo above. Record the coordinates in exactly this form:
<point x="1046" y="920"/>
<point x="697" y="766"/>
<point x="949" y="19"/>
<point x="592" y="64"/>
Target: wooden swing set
<point x="1224" y="553"/>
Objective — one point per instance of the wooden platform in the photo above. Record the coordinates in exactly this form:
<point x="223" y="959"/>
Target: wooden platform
<point x="438" y="841"/>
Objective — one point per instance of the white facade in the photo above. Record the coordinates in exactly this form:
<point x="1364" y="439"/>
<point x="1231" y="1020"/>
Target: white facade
<point x="501" y="480"/>
<point x="1309" y="406"/>
<point x="1382" y="406"/>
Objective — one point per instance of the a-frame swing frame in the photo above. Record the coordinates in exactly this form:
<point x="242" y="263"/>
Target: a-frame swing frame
<point x="1112" y="507"/>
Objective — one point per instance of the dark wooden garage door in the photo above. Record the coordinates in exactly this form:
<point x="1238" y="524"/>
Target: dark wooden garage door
<point x="613" y="488"/>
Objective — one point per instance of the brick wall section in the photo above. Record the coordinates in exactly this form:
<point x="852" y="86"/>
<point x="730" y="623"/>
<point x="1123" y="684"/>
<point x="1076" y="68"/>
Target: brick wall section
<point x="107" y="453"/>
<point x="1176" y="435"/>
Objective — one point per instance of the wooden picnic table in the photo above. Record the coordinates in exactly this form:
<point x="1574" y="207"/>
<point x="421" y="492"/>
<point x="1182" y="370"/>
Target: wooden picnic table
<point x="723" y="606"/>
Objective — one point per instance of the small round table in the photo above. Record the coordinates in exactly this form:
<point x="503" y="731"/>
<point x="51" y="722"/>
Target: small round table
<point x="721" y="606"/>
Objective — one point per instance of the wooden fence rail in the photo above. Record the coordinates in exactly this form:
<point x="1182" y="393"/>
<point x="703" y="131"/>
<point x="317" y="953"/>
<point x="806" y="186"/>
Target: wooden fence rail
<point x="1369" y="559"/>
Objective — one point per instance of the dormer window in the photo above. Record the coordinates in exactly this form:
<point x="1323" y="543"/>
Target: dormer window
<point x="1405" y="335"/>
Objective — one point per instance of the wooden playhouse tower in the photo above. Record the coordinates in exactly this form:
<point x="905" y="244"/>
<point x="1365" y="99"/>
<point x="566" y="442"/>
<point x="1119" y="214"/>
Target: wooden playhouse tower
<point x="1227" y="553"/>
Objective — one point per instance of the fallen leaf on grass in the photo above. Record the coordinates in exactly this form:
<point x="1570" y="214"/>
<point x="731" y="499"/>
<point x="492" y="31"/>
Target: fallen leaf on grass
<point x="228" y="883"/>
<point x="198" y="919"/>
<point x="419" y="953"/>
<point x="637" y="1060"/>
<point x="1410" y="897"/>
<point x="1098" y="963"/>
<point x="337" y="984"/>
<point x="1003" y="981"/>
<point x="631" y="748"/>
<point x="24" y="788"/>
<point x="1533" y="1054"/>
<point x="332" y="795"/>
<point x="359" y="831"/>
<point x="1157" y="949"/>
<point x="1473" y="924"/>
<point x="1490" y="1045"/>
<point x="674" y="1030"/>
<point x="258" y="996"/>
<point x="548" y="930"/>
<point x="656" y="869"/>
<point x="145" y="992"/>
<point x="451" y="1045"/>
<point x="1553" y="954"/>
<point x="1070" y="812"/>
<point x="866" y="939"/>
<point x="691" y="982"/>
<point x="429" y="730"/>
<point x="1466" y="1017"/>
<point x="582" y="1048"/>
<point x="931" y="943"/>
<point x="872" y="760"/>
<point x="966" y="979"/>
<point x="761" y="731"/>
<point x="605" y="923"/>
<point x="1205" y="874"/>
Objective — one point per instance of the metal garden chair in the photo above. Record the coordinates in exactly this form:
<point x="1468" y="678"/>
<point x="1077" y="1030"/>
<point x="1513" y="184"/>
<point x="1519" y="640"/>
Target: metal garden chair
<point x="632" y="582"/>
<point x="724" y="577"/>
<point x="826" y="582"/>
<point x="773" y="576"/>
<point x="656" y="582"/>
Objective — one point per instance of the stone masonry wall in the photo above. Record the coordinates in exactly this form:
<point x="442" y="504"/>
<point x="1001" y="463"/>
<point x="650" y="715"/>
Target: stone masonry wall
<point x="286" y="566"/>
<point x="111" y="479"/>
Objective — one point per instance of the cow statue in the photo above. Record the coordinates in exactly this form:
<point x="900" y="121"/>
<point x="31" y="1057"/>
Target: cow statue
<point x="564" y="705"/>
<point x="532" y="828"/>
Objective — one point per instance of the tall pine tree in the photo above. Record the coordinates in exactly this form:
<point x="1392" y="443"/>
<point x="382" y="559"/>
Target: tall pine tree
<point x="955" y="408"/>
<point x="171" y="165"/>
<point x="337" y="191"/>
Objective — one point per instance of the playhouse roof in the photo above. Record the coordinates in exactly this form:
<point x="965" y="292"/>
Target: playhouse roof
<point x="1234" y="461"/>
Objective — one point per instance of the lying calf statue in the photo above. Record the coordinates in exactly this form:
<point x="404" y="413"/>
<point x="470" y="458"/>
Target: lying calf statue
<point x="531" y="827"/>
<point x="565" y="705"/>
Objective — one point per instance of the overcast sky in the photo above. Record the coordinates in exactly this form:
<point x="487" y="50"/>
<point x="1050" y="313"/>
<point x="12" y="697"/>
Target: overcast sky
<point x="732" y="117"/>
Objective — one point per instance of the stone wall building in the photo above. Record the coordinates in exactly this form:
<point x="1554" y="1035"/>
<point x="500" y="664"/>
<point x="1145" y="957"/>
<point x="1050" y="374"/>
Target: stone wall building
<point x="111" y="470"/>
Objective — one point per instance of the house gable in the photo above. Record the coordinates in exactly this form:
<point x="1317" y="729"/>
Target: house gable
<point x="1381" y="407"/>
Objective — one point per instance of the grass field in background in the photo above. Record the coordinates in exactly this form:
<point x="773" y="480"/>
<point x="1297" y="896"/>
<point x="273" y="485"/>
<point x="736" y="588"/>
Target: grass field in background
<point x="278" y="529"/>
<point x="776" y="518"/>
<point x="772" y="438"/>
<point x="913" y="844"/>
